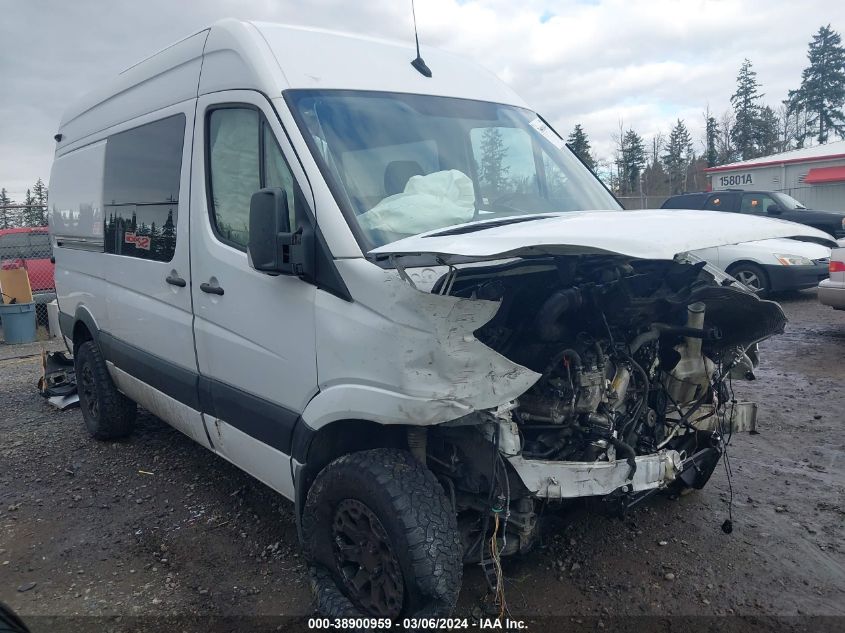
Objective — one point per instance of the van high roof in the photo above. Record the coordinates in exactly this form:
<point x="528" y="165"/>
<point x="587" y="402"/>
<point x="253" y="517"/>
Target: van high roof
<point x="237" y="54"/>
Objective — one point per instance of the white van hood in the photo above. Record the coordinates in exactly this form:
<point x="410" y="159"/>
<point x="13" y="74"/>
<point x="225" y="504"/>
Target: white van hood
<point x="650" y="234"/>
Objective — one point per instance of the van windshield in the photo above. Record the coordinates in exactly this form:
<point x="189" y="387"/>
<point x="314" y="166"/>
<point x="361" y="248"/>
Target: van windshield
<point x="402" y="164"/>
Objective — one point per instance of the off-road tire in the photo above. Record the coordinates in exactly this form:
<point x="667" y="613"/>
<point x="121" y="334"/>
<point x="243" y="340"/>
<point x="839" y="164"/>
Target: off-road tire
<point x="416" y="515"/>
<point x="113" y="414"/>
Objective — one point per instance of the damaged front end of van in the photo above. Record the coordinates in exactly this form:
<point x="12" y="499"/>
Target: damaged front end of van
<point x="552" y="372"/>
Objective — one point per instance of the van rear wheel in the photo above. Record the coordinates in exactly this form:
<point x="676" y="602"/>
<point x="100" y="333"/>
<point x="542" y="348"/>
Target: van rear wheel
<point x="381" y="538"/>
<point x="107" y="413"/>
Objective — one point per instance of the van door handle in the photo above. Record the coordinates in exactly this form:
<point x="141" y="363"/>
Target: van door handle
<point x="212" y="290"/>
<point x="175" y="280"/>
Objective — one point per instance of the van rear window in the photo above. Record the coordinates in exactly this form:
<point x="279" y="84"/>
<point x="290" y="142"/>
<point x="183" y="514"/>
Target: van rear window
<point x="143" y="167"/>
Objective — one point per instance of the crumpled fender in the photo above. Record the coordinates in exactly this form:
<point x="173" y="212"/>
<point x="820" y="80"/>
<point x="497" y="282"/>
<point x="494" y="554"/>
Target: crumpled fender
<point x="399" y="355"/>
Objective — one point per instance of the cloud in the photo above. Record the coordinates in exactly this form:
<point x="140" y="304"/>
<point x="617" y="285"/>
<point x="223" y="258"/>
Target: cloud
<point x="646" y="62"/>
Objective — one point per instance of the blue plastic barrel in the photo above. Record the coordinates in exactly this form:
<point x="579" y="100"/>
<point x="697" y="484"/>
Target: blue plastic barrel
<point x="18" y="322"/>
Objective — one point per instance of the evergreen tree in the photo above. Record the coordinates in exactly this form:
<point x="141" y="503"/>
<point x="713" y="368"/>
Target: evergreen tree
<point x="822" y="91"/>
<point x="142" y="230"/>
<point x="580" y="145"/>
<point x="7" y="215"/>
<point x="746" y="111"/>
<point x="155" y="243"/>
<point x="29" y="215"/>
<point x="677" y="157"/>
<point x="767" y="133"/>
<point x="39" y="192"/>
<point x="109" y="234"/>
<point x="633" y="160"/>
<point x="711" y="154"/>
<point x="168" y="236"/>
<point x="492" y="171"/>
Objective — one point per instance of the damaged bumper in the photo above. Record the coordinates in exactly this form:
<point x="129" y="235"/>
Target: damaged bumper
<point x="568" y="480"/>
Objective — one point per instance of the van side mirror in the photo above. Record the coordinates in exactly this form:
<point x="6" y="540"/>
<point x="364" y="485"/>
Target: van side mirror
<point x="773" y="209"/>
<point x="272" y="247"/>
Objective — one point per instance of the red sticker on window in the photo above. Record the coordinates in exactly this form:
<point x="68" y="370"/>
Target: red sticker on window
<point x="140" y="241"/>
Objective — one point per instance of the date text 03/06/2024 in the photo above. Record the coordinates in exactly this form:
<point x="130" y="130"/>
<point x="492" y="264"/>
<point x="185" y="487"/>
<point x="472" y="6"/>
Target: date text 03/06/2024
<point x="416" y="624"/>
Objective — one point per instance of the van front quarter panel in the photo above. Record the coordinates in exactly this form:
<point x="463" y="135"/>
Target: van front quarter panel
<point x="399" y="355"/>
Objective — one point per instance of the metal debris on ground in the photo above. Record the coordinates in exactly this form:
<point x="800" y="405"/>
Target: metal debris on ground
<point x="58" y="380"/>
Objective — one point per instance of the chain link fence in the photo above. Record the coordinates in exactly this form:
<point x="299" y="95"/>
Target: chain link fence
<point x="29" y="248"/>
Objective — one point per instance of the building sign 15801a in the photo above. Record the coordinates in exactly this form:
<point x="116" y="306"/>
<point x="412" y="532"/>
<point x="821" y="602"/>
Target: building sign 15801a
<point x="736" y="179"/>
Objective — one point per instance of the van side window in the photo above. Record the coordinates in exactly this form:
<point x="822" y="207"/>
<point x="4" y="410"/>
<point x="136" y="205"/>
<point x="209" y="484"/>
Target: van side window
<point x="143" y="167"/>
<point x="243" y="157"/>
<point x="234" y="170"/>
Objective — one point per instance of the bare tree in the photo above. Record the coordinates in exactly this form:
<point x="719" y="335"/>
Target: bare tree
<point x="618" y="152"/>
<point x="657" y="142"/>
<point x="785" y="128"/>
<point x="724" y="145"/>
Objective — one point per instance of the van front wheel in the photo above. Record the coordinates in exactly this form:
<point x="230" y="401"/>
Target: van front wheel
<point x="107" y="413"/>
<point x="381" y="538"/>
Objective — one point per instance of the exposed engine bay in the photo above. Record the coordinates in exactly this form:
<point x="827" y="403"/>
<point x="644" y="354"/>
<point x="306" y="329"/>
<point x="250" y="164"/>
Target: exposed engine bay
<point x="636" y="359"/>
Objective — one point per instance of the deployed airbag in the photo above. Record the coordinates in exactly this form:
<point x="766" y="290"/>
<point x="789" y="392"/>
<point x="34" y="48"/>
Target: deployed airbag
<point x="431" y="201"/>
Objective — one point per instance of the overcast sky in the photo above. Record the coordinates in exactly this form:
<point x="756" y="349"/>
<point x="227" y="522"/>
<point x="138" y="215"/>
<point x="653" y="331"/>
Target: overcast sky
<point x="647" y="62"/>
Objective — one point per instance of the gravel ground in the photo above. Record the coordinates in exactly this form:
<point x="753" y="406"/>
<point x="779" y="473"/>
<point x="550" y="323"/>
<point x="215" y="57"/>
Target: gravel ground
<point x="158" y="526"/>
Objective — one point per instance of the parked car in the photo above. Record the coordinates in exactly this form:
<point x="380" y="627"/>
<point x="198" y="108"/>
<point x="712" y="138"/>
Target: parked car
<point x="772" y="265"/>
<point x="29" y="248"/>
<point x="763" y="203"/>
<point x="420" y="357"/>
<point x="832" y="291"/>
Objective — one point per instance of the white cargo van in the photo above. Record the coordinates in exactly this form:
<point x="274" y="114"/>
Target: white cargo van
<point x="397" y="299"/>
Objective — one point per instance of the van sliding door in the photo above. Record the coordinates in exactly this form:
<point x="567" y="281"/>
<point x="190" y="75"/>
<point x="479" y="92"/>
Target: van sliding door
<point x="149" y="345"/>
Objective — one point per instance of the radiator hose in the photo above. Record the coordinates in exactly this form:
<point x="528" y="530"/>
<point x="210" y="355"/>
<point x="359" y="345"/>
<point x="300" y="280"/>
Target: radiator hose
<point x="630" y="456"/>
<point x="548" y="326"/>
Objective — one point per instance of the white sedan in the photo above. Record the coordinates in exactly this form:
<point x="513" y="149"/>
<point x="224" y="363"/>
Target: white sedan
<point x="772" y="265"/>
<point x="832" y="291"/>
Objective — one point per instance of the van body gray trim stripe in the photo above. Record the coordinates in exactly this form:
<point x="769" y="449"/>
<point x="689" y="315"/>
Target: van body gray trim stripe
<point x="261" y="419"/>
<point x="171" y="379"/>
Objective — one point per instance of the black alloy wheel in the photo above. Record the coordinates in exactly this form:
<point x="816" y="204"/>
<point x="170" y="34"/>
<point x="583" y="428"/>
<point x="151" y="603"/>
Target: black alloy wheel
<point x="365" y="560"/>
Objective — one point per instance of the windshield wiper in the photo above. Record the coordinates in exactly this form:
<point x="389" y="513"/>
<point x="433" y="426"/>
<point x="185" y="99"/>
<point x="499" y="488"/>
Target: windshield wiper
<point x="481" y="225"/>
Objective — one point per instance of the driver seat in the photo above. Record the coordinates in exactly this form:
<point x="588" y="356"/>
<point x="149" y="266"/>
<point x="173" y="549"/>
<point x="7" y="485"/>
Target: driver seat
<point x="398" y="173"/>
